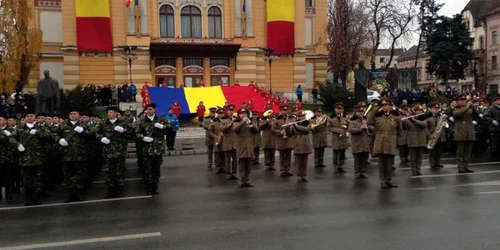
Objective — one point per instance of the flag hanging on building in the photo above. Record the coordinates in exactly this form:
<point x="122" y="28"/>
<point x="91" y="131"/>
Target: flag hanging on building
<point x="128" y="2"/>
<point x="244" y="8"/>
<point x="280" y="26"/>
<point x="93" y="26"/>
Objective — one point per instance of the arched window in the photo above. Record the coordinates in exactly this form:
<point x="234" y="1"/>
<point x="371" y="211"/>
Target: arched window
<point x="191" y="22"/>
<point x="167" y="21"/>
<point x="214" y="23"/>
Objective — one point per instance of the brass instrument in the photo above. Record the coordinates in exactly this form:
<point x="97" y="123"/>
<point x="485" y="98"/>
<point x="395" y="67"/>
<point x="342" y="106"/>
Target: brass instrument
<point x="343" y="126"/>
<point x="437" y="134"/>
<point x="367" y="111"/>
<point x="412" y="116"/>
<point x="218" y="139"/>
<point x="320" y="121"/>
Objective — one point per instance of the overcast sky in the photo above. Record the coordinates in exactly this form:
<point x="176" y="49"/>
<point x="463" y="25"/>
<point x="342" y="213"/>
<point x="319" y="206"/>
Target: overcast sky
<point x="452" y="7"/>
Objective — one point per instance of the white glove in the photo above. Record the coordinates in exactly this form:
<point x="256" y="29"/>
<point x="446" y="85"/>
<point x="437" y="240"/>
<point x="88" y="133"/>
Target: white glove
<point x="105" y="140"/>
<point x="451" y="119"/>
<point x="78" y="129"/>
<point x="33" y="131"/>
<point x="63" y="143"/>
<point x="474" y="123"/>
<point x="159" y="125"/>
<point x="119" y="129"/>
<point x="495" y="123"/>
<point x="21" y="148"/>
<point x="7" y="133"/>
<point x="481" y="115"/>
<point x="147" y="139"/>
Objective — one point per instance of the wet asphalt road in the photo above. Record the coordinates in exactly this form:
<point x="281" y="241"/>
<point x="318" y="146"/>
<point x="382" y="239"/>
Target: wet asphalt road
<point x="200" y="210"/>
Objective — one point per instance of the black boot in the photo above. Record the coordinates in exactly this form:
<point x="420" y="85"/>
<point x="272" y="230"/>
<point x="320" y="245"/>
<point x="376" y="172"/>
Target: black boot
<point x="36" y="198"/>
<point x="150" y="189"/>
<point x="110" y="193"/>
<point x="29" y="196"/>
<point x="119" y="192"/>
<point x="70" y="195"/>
<point x="155" y="189"/>
<point x="78" y="194"/>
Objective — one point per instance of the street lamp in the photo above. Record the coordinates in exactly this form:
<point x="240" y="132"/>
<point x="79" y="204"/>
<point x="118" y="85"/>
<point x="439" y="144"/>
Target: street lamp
<point x="129" y="57"/>
<point x="270" y="58"/>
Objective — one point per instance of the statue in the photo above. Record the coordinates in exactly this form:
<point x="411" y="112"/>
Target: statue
<point x="48" y="95"/>
<point x="362" y="77"/>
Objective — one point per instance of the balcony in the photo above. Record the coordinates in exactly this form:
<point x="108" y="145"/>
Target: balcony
<point x="479" y="53"/>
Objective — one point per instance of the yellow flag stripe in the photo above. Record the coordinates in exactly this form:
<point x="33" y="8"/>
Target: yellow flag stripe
<point x="280" y="10"/>
<point x="92" y="8"/>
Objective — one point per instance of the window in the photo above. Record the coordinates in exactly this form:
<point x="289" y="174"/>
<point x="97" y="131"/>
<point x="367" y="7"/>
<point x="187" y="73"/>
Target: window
<point x="193" y="62"/>
<point x="494" y="63"/>
<point x="309" y="3"/>
<point x="481" y="42"/>
<point x="190" y="22"/>
<point x="243" y="20"/>
<point x="167" y="21"/>
<point x="165" y="61"/>
<point x="138" y="22"/>
<point x="382" y="60"/>
<point x="308" y="34"/>
<point x="494" y="37"/>
<point x="144" y="17"/>
<point x="214" y="23"/>
<point x="219" y="62"/>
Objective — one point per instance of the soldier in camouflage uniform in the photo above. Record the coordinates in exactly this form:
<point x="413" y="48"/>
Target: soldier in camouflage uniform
<point x="7" y="159"/>
<point x="112" y="133"/>
<point x="494" y="118"/>
<point x="31" y="139"/>
<point x="16" y="172"/>
<point x="73" y="137"/>
<point x="152" y="131"/>
<point x="140" y="146"/>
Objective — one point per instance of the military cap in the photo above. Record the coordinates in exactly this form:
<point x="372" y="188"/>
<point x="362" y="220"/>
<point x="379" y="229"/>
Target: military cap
<point x="386" y="101"/>
<point x="403" y="106"/>
<point x="242" y="110"/>
<point x="317" y="109"/>
<point x="496" y="98"/>
<point x="359" y="107"/>
<point x="28" y="112"/>
<point x="3" y="115"/>
<point x="219" y="110"/>
<point x="460" y="97"/>
<point x="212" y="109"/>
<point x="300" y="113"/>
<point x="338" y="104"/>
<point x="40" y="114"/>
<point x="12" y="117"/>
<point x="284" y="107"/>
<point x="150" y="105"/>
<point x="434" y="105"/>
<point x="230" y="106"/>
<point x="113" y="108"/>
<point x="417" y="107"/>
<point x="255" y="111"/>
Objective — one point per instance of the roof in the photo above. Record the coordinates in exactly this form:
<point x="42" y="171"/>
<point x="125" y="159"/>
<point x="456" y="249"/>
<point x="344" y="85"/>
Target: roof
<point x="411" y="53"/>
<point x="387" y="52"/>
<point x="491" y="8"/>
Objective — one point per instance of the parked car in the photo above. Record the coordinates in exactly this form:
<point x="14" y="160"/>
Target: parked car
<point x="372" y="95"/>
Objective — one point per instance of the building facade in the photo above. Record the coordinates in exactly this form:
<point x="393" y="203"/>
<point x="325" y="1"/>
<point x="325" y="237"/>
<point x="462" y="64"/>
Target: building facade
<point x="492" y="74"/>
<point x="184" y="41"/>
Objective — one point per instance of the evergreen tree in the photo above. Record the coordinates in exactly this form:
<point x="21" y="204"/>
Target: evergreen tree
<point x="449" y="48"/>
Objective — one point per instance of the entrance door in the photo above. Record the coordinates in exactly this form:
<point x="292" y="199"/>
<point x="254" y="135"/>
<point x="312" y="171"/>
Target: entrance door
<point x="170" y="80"/>
<point x="193" y="81"/>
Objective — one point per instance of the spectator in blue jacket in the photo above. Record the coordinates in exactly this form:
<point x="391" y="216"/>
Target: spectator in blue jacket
<point x="171" y="133"/>
<point x="133" y="91"/>
<point x="299" y="93"/>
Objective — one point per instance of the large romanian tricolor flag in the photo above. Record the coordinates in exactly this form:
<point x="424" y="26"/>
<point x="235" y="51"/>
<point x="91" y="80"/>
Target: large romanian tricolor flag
<point x="189" y="98"/>
<point x="93" y="26"/>
<point x="280" y="26"/>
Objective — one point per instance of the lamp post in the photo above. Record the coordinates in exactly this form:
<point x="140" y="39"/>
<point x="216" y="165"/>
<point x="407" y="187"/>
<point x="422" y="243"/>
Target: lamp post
<point x="270" y="58"/>
<point x="129" y="57"/>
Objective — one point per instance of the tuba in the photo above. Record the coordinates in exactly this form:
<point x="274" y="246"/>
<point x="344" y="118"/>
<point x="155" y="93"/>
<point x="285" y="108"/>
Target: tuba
<point x="437" y="134"/>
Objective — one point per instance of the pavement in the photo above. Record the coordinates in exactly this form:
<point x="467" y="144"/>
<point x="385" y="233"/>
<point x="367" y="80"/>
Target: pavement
<point x="197" y="209"/>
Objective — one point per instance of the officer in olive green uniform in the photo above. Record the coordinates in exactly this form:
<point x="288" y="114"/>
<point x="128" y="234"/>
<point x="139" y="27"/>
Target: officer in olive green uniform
<point x="464" y="134"/>
<point x="215" y="132"/>
<point x="257" y="137"/>
<point x="417" y="138"/>
<point x="432" y="122"/>
<point x="228" y="143"/>
<point x="404" y="152"/>
<point x="113" y="133"/>
<point x="284" y="140"/>
<point x="360" y="141"/>
<point x="152" y="131"/>
<point x="301" y="145"/>
<point x="244" y="130"/>
<point x="494" y="128"/>
<point x="386" y="123"/>
<point x="338" y="125"/>
<point x="209" y="141"/>
<point x="268" y="140"/>
<point x="319" y="137"/>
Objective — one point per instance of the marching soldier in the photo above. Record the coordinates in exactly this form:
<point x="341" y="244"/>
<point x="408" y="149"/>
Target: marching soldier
<point x="7" y="157"/>
<point x="450" y="132"/>
<point x="257" y="136"/>
<point x="494" y="116"/>
<point x="73" y="137"/>
<point x="301" y="145"/>
<point x="338" y="125"/>
<point x="404" y="152"/>
<point x="16" y="172"/>
<point x="417" y="138"/>
<point x="268" y="139"/>
<point x="31" y="159"/>
<point x="481" y="126"/>
<point x="141" y="154"/>
<point x="152" y="131"/>
<point x="113" y="133"/>
<point x="432" y="122"/>
<point x="209" y="141"/>
<point x="228" y="143"/>
<point x="464" y="113"/>
<point x="319" y="136"/>
<point x="386" y="123"/>
<point x="216" y="135"/>
<point x="284" y="143"/>
<point x="360" y="141"/>
<point x="244" y="131"/>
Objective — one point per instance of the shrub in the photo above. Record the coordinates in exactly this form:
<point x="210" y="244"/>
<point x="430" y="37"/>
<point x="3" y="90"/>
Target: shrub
<point x="330" y="94"/>
<point x="81" y="98"/>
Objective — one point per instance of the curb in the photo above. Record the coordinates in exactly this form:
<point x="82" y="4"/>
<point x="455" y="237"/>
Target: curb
<point x="175" y="153"/>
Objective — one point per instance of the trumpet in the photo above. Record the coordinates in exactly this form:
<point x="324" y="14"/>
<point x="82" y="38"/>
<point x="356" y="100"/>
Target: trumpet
<point x="411" y="116"/>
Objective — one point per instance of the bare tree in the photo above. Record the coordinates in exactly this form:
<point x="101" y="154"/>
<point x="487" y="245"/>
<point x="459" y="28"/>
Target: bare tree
<point x="380" y="12"/>
<point x="399" y="25"/>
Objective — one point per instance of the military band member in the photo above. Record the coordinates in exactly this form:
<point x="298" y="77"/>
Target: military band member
<point x="244" y="130"/>
<point x="257" y="137"/>
<point x="417" y="138"/>
<point x="215" y="131"/>
<point x="432" y="122"/>
<point x="284" y="140"/>
<point x="404" y="152"/>
<point x="228" y="143"/>
<point x="301" y="145"/>
<point x="319" y="136"/>
<point x="113" y="134"/>
<point x="338" y="125"/>
<point x="360" y="141"/>
<point x="152" y="131"/>
<point x="268" y="139"/>
<point x="494" y="117"/>
<point x="209" y="141"/>
<point x="464" y="135"/>
<point x="386" y="123"/>
<point x="481" y="126"/>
